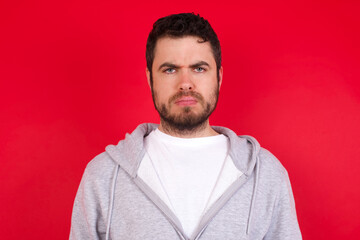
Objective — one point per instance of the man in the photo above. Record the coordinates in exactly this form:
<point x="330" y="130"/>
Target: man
<point x="183" y="179"/>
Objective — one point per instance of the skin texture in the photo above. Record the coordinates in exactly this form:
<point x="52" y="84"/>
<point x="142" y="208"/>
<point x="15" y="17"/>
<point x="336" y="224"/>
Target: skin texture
<point x="184" y="86"/>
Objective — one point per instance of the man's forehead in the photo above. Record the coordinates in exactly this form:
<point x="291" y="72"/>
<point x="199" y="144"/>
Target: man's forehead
<point x="169" y="40"/>
<point x="176" y="50"/>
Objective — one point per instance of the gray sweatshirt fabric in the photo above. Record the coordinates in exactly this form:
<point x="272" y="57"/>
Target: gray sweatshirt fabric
<point x="112" y="202"/>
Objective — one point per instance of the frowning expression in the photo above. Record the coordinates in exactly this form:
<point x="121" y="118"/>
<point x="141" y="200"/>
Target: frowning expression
<point x="185" y="83"/>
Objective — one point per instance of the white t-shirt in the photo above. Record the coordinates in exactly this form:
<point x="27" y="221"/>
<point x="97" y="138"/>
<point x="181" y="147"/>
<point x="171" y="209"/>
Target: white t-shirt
<point x="188" y="174"/>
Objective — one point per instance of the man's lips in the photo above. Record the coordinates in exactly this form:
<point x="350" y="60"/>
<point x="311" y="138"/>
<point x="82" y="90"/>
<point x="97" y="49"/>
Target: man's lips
<point x="186" y="101"/>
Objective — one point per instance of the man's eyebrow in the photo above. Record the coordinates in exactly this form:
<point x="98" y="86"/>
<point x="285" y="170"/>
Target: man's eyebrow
<point x="199" y="64"/>
<point x="195" y="65"/>
<point x="169" y="65"/>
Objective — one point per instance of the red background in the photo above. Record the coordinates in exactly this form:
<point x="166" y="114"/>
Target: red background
<point x="72" y="80"/>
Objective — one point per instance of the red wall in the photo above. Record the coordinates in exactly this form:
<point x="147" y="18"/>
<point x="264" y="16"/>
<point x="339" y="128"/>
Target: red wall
<point x="72" y="80"/>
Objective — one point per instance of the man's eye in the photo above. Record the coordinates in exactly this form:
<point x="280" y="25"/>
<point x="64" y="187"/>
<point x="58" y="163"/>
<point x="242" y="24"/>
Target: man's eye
<point x="199" y="69"/>
<point x="169" y="70"/>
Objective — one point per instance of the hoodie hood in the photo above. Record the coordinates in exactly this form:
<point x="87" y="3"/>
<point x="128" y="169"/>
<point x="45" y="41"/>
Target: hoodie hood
<point x="129" y="152"/>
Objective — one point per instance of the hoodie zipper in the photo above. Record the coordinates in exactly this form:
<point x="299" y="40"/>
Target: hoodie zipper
<point x="204" y="222"/>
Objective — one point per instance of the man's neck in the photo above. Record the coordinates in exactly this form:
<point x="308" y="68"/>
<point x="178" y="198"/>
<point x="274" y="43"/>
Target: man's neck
<point x="204" y="130"/>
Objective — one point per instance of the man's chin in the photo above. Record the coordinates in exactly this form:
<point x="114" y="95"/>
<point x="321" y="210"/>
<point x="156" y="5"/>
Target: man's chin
<point x="186" y="118"/>
<point x="187" y="115"/>
<point x="185" y="110"/>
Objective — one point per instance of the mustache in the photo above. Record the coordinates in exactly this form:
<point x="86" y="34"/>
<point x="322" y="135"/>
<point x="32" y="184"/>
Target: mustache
<point x="195" y="95"/>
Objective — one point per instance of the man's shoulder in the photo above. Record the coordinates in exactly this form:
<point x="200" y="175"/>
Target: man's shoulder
<point x="271" y="164"/>
<point x="100" y="166"/>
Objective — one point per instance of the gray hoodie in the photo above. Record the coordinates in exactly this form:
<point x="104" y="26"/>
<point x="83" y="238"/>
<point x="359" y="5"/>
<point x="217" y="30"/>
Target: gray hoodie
<point x="112" y="202"/>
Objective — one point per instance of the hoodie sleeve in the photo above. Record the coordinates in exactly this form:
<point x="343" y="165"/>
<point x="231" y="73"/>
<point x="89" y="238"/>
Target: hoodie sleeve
<point x="87" y="220"/>
<point x="284" y="223"/>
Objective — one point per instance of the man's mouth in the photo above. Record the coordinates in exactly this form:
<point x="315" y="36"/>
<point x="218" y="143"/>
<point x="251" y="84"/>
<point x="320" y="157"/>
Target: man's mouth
<point x="186" y="101"/>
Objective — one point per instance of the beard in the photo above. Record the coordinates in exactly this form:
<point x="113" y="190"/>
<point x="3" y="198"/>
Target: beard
<point x="186" y="120"/>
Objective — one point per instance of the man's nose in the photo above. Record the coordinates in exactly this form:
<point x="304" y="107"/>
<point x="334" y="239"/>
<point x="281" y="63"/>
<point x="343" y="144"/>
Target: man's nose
<point x="186" y="82"/>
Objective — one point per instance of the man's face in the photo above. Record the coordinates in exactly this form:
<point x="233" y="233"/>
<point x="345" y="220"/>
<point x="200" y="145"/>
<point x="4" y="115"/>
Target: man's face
<point x="185" y="85"/>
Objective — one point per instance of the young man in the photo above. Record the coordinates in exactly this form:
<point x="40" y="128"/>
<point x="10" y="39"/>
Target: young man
<point x="183" y="179"/>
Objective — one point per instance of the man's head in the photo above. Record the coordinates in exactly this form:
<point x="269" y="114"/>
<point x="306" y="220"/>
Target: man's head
<point x="184" y="71"/>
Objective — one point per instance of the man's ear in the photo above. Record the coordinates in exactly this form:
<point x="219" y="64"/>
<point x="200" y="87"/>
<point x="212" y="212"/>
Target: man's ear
<point x="148" y="77"/>
<point x="220" y="76"/>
